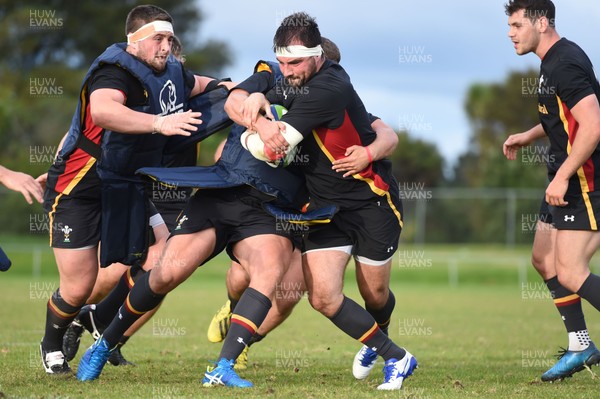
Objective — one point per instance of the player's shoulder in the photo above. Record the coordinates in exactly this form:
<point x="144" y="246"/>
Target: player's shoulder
<point x="566" y="53"/>
<point x="332" y="77"/>
<point x="113" y="72"/>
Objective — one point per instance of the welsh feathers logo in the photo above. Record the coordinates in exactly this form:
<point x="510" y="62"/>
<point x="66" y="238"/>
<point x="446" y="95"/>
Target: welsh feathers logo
<point x="67" y="231"/>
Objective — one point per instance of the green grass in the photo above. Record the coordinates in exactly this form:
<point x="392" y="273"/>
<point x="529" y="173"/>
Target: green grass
<point x="478" y="326"/>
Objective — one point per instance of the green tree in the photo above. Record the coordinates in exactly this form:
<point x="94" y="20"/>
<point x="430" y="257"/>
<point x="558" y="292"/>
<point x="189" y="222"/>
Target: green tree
<point x="74" y="33"/>
<point x="496" y="111"/>
<point x="47" y="46"/>
<point x="416" y="160"/>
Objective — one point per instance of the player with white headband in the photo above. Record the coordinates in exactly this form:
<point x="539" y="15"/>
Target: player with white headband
<point x="327" y="116"/>
<point x="131" y="91"/>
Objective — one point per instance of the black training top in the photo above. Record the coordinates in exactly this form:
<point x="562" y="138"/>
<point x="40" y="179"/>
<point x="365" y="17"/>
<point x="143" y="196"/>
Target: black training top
<point x="566" y="77"/>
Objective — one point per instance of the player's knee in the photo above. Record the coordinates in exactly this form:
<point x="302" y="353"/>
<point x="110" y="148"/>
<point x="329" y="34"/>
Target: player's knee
<point x="324" y="305"/>
<point x="76" y="296"/>
<point x="377" y="299"/>
<point x="567" y="280"/>
<point x="237" y="280"/>
<point x="538" y="261"/>
<point x="162" y="281"/>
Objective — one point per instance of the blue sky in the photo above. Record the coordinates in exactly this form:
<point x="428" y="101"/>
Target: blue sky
<point x="411" y="62"/>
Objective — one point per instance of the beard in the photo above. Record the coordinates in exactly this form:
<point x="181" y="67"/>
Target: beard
<point x="295" y="81"/>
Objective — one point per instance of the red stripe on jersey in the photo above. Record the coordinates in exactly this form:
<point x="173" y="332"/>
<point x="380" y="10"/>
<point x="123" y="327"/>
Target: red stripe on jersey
<point x="572" y="127"/>
<point x="79" y="158"/>
<point x="334" y="142"/>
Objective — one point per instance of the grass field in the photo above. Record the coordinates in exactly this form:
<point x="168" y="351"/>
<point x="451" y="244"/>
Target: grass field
<point x="477" y="318"/>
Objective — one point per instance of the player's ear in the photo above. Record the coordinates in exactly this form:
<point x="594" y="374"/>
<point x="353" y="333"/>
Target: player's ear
<point x="544" y="23"/>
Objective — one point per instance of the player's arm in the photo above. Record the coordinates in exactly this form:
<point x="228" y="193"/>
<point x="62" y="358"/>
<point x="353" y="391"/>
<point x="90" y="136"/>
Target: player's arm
<point x="108" y="111"/>
<point x="247" y="110"/>
<point x="358" y="157"/>
<point x="587" y="114"/>
<point x="201" y="83"/>
<point x="43" y="178"/>
<point x="269" y="132"/>
<point x="516" y="141"/>
<point x="22" y="183"/>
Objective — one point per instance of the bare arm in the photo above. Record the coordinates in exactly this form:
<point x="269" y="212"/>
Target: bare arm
<point x="516" y="141"/>
<point x="248" y="114"/>
<point x="587" y="113"/>
<point x="108" y="111"/>
<point x="358" y="157"/>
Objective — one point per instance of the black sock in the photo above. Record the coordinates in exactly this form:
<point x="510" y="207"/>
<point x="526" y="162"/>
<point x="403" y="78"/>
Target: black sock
<point x="232" y="302"/>
<point x="250" y="312"/>
<point x="123" y="341"/>
<point x="255" y="338"/>
<point x="360" y="325"/>
<point x="109" y="306"/>
<point x="59" y="315"/>
<point x="568" y="305"/>
<point x="140" y="300"/>
<point x="383" y="316"/>
<point x="590" y="290"/>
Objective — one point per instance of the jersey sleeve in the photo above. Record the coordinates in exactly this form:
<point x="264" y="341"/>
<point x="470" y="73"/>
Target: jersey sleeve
<point x="373" y="118"/>
<point x="318" y="106"/>
<point x="260" y="82"/>
<point x="111" y="77"/>
<point x="573" y="83"/>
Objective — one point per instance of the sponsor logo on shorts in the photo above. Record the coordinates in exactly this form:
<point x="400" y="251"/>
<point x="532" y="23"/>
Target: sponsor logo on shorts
<point x="569" y="218"/>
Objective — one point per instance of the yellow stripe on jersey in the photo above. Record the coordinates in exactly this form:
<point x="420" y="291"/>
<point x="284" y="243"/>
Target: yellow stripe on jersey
<point x="580" y="172"/>
<point x="79" y="176"/>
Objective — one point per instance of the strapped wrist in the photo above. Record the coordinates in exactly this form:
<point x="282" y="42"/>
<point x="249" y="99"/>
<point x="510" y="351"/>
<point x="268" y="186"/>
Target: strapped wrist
<point x="157" y="124"/>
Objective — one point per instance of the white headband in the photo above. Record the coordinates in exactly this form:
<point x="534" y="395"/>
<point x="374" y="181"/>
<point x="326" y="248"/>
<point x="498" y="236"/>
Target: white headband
<point x="148" y="30"/>
<point x="298" y="51"/>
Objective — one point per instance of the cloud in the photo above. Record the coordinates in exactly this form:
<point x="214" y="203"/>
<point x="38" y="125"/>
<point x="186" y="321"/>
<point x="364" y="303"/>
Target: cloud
<point x="446" y="47"/>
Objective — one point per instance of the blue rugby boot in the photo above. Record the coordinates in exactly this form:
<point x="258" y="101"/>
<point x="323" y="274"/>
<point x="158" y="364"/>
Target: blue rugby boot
<point x="224" y="374"/>
<point x="364" y="361"/>
<point x="570" y="362"/>
<point x="396" y="371"/>
<point x="93" y="360"/>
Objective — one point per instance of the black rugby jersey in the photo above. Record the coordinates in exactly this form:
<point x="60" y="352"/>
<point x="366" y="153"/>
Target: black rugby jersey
<point x="566" y="77"/>
<point x="331" y="117"/>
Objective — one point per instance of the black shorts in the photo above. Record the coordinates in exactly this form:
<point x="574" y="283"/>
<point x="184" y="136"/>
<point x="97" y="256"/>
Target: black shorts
<point x="373" y="231"/>
<point x="74" y="222"/>
<point x="235" y="213"/>
<point x="582" y="213"/>
<point x="545" y="215"/>
<point x="169" y="201"/>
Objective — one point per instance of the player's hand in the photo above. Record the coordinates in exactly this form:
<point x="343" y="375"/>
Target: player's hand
<point x="270" y="133"/>
<point x="555" y="192"/>
<point x="513" y="143"/>
<point x="181" y="123"/>
<point x="42" y="179"/>
<point x="356" y="159"/>
<point x="253" y="107"/>
<point x="24" y="184"/>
